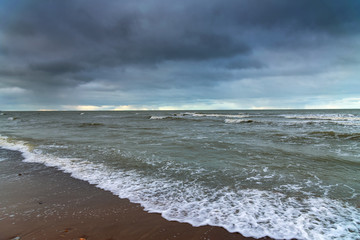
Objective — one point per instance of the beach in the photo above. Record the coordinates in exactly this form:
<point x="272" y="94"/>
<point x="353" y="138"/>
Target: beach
<point x="39" y="202"/>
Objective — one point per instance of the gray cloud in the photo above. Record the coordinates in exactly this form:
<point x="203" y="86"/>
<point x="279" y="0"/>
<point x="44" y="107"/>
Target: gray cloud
<point x="157" y="45"/>
<point x="56" y="67"/>
<point x="246" y="64"/>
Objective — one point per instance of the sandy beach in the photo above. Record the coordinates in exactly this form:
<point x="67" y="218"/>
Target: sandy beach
<point x="38" y="202"/>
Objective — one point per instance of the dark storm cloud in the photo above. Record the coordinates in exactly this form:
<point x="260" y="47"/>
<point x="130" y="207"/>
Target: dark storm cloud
<point x="120" y="32"/>
<point x="324" y="15"/>
<point x="56" y="67"/>
<point x="128" y="36"/>
<point x="161" y="44"/>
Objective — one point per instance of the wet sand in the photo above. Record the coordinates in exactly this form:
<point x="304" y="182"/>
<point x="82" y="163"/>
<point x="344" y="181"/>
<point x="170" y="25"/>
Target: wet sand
<point x="38" y="202"/>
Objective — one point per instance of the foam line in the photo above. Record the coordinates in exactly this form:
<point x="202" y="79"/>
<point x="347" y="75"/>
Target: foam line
<point x="251" y="212"/>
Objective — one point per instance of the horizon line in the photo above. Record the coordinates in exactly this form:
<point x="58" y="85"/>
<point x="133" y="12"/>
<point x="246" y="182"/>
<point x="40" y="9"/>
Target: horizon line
<point x="167" y="110"/>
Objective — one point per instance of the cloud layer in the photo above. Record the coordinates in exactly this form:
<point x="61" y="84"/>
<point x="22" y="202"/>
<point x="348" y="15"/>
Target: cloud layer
<point x="155" y="54"/>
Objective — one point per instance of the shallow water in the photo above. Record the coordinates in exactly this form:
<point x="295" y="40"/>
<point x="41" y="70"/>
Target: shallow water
<point x="283" y="174"/>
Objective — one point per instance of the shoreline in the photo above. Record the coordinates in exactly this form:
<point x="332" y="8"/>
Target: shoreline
<point x="40" y="202"/>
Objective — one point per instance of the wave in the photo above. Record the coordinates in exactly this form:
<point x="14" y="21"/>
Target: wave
<point x="329" y="117"/>
<point x="251" y="212"/>
<point x="238" y="121"/>
<point x="12" y="118"/>
<point x="215" y="115"/>
<point x="332" y="134"/>
<point x="338" y="119"/>
<point x="173" y="117"/>
<point x="159" y="117"/>
<point x="197" y="116"/>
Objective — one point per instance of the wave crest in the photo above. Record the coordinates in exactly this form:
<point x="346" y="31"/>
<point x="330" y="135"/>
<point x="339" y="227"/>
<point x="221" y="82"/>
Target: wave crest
<point x="238" y="121"/>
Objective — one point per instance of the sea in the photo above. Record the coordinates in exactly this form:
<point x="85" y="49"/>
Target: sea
<point x="284" y="174"/>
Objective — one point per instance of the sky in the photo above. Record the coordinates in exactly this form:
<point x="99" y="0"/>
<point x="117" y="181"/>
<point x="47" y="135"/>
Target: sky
<point x="188" y="54"/>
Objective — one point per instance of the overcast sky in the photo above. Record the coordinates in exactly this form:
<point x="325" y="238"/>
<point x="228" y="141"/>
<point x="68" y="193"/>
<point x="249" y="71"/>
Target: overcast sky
<point x="188" y="54"/>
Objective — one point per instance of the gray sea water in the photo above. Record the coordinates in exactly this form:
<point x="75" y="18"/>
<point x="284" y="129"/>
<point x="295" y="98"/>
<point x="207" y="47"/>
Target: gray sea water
<point x="283" y="174"/>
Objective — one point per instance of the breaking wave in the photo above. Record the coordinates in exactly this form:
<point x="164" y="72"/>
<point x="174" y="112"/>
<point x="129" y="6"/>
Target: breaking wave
<point x="332" y="134"/>
<point x="198" y="116"/>
<point x="329" y="117"/>
<point x="251" y="212"/>
<point x="238" y="121"/>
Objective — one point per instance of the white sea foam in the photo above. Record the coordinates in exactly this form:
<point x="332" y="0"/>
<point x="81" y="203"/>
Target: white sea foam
<point x="12" y="118"/>
<point x="158" y="117"/>
<point x="339" y="119"/>
<point x="330" y="117"/>
<point x="217" y="115"/>
<point x="251" y="212"/>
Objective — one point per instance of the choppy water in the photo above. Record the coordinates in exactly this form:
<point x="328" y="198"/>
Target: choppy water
<point x="283" y="174"/>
